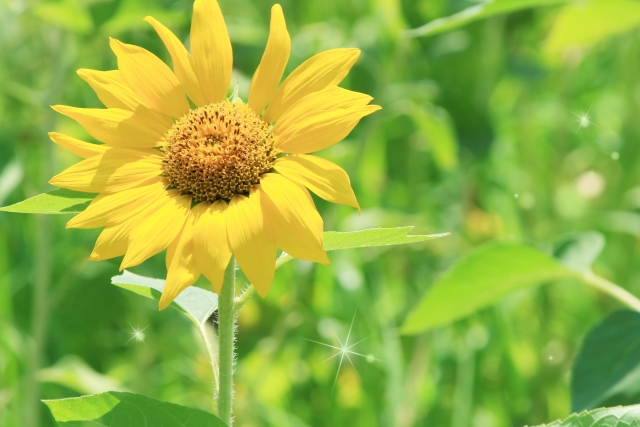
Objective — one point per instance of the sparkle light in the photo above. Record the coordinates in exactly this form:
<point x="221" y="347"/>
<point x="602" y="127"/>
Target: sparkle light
<point x="584" y="120"/>
<point x="344" y="351"/>
<point x="138" y="334"/>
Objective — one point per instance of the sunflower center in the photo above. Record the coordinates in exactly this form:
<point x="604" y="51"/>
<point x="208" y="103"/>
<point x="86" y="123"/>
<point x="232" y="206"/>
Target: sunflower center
<point x="218" y="151"/>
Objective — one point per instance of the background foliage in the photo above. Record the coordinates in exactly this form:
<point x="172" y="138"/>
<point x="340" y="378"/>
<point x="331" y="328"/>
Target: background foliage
<point x="478" y="136"/>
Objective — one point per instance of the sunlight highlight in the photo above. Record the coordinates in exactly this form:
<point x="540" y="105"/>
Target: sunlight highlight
<point x="344" y="351"/>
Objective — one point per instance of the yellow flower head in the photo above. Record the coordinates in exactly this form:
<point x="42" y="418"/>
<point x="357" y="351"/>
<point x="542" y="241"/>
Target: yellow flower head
<point x="211" y="178"/>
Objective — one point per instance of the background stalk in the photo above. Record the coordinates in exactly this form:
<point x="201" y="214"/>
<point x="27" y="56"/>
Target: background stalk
<point x="226" y="332"/>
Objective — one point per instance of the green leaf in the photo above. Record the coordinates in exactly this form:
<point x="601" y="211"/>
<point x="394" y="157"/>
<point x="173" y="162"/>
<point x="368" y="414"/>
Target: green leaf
<point x="54" y="202"/>
<point x="435" y="126"/>
<point x="120" y="409"/>
<point x="474" y="13"/>
<point x="481" y="279"/>
<point x="335" y="240"/>
<point x="578" y="251"/>
<point x="196" y="303"/>
<point x="608" y="364"/>
<point x="10" y="178"/>
<point x="70" y="15"/>
<point x="620" y="416"/>
<point x="583" y="24"/>
<point x="74" y="373"/>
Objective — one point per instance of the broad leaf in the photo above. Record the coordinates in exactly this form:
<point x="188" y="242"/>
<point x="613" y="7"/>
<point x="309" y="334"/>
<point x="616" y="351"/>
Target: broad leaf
<point x="620" y="416"/>
<point x="481" y="279"/>
<point x="54" y="202"/>
<point x="196" y="303"/>
<point x="474" y="13"/>
<point x="608" y="364"/>
<point x="335" y="240"/>
<point x="119" y="409"/>
<point x="584" y="24"/>
<point x="578" y="251"/>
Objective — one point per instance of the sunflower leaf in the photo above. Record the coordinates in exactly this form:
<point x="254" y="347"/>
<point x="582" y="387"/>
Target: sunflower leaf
<point x="196" y="303"/>
<point x="619" y="416"/>
<point x="609" y="376"/>
<point x="336" y="240"/>
<point x="474" y="13"/>
<point x="120" y="409"/>
<point x="481" y="279"/>
<point x="59" y="201"/>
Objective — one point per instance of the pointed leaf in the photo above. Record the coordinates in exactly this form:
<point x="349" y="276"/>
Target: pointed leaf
<point x="620" y="416"/>
<point x="196" y="303"/>
<point x="481" y="279"/>
<point x="54" y="202"/>
<point x="335" y="240"/>
<point x="608" y="364"/>
<point x="474" y="13"/>
<point x="119" y="409"/>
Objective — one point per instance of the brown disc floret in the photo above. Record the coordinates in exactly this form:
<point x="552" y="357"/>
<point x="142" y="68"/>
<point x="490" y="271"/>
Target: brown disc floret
<point x="218" y="150"/>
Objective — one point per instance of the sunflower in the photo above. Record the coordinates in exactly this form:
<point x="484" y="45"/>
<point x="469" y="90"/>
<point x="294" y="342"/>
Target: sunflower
<point x="186" y="169"/>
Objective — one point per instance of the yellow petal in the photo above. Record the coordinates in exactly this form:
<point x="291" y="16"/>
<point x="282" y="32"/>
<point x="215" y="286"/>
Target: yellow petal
<point x="113" y="241"/>
<point x="115" y="170"/>
<point x="331" y="98"/>
<point x="251" y="239"/>
<point x="112" y="209"/>
<point x="81" y="148"/>
<point x="182" y="270"/>
<point x="150" y="79"/>
<point x="322" y="130"/>
<point x="111" y="88"/>
<point x="316" y="73"/>
<point x="210" y="242"/>
<point x="163" y="220"/>
<point x="113" y="92"/>
<point x="275" y="57"/>
<point x="321" y="176"/>
<point x="181" y="62"/>
<point x="293" y="216"/>
<point x="116" y="127"/>
<point x="212" y="59"/>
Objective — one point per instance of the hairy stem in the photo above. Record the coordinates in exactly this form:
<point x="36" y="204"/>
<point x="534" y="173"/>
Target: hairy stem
<point x="226" y="331"/>
<point x="242" y="299"/>
<point x="613" y="290"/>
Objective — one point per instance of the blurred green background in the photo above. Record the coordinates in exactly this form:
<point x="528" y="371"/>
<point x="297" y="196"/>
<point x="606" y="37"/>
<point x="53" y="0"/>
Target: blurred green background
<point x="480" y="136"/>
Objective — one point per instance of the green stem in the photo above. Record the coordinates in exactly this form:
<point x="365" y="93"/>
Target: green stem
<point x="243" y="298"/>
<point x="613" y="290"/>
<point x="226" y="331"/>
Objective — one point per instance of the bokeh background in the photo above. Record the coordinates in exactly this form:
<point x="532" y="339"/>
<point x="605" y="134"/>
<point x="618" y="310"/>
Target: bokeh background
<point x="480" y="136"/>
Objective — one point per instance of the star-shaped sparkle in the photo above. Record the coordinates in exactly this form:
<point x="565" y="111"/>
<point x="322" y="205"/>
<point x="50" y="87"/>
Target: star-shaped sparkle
<point x="344" y="351"/>
<point x="138" y="334"/>
<point x="584" y="120"/>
